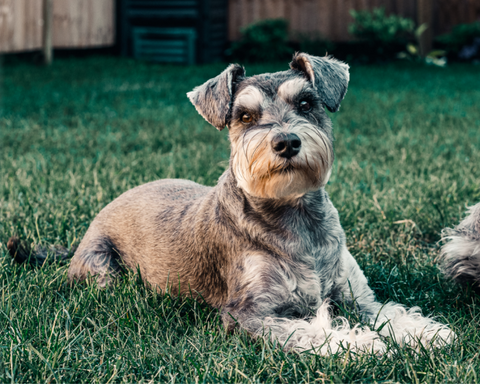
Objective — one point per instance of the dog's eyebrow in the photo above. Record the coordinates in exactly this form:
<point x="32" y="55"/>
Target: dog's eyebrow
<point x="289" y="89"/>
<point x="251" y="98"/>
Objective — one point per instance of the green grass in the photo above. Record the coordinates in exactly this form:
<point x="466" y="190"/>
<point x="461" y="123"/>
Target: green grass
<point x="76" y="135"/>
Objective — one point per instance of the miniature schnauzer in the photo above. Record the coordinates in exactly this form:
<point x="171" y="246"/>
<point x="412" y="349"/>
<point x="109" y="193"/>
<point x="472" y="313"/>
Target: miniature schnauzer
<point x="264" y="245"/>
<point x="460" y="256"/>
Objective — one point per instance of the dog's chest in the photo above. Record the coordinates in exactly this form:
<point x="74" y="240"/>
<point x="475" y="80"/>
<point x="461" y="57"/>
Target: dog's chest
<point x="309" y="278"/>
<point x="304" y="287"/>
<point x="300" y="261"/>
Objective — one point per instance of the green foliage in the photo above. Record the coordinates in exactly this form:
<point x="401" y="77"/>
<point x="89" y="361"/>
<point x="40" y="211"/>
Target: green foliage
<point x="461" y="36"/>
<point x="78" y="134"/>
<point x="263" y="41"/>
<point x="436" y="57"/>
<point x="385" y="34"/>
<point x="379" y="27"/>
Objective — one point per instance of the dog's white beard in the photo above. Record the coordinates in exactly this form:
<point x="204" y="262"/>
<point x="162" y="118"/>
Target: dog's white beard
<point x="259" y="171"/>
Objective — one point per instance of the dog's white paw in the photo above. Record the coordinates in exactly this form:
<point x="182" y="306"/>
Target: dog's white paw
<point x="409" y="327"/>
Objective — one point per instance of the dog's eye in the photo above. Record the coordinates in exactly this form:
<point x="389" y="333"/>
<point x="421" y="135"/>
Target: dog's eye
<point x="305" y="106"/>
<point x="247" y="118"/>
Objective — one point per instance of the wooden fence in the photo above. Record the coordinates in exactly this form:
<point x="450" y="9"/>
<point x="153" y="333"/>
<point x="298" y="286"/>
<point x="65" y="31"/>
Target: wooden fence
<point x="76" y="23"/>
<point x="331" y="18"/>
<point x="91" y="23"/>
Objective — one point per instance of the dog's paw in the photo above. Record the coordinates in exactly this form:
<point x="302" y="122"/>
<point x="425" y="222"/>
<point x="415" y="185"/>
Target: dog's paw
<point x="323" y="335"/>
<point x="410" y="328"/>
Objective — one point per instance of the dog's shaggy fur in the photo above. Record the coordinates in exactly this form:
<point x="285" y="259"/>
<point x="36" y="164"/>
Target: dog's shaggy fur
<point x="265" y="245"/>
<point x="460" y="256"/>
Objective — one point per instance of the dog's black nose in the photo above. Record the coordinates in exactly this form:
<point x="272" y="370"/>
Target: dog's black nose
<point x="286" y="145"/>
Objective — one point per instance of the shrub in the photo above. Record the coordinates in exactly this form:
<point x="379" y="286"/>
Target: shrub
<point x="384" y="35"/>
<point x="463" y="41"/>
<point x="263" y="41"/>
<point x="413" y="52"/>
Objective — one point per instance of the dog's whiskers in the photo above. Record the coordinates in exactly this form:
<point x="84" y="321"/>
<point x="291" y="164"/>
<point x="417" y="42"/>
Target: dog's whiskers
<point x="249" y="141"/>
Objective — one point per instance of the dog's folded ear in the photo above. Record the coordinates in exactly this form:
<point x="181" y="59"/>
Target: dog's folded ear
<point x="213" y="99"/>
<point x="329" y="77"/>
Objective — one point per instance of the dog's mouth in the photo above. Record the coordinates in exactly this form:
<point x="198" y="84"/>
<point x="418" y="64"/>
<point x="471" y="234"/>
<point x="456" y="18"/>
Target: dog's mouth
<point x="286" y="169"/>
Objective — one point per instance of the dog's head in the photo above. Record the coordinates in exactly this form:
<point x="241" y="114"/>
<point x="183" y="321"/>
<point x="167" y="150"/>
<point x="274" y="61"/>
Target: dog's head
<point x="281" y="136"/>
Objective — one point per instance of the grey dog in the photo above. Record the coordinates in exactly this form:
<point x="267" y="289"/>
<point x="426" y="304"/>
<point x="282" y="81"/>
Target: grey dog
<point x="460" y="256"/>
<point x="264" y="245"/>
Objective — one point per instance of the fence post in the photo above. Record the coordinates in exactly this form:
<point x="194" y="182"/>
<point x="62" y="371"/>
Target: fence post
<point x="47" y="31"/>
<point x="425" y="16"/>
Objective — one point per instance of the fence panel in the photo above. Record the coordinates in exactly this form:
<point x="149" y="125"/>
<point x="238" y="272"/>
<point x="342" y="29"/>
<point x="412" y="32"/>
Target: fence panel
<point x="448" y="13"/>
<point x="20" y="25"/>
<point x="76" y="23"/>
<point x="331" y="18"/>
<point x="83" y="23"/>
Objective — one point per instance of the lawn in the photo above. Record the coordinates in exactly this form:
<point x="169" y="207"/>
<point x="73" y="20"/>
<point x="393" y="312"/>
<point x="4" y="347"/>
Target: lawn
<point x="76" y="135"/>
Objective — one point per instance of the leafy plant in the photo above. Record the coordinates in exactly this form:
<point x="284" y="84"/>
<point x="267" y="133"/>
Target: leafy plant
<point x="384" y="34"/>
<point x="463" y="41"/>
<point x="263" y="41"/>
<point x="436" y="57"/>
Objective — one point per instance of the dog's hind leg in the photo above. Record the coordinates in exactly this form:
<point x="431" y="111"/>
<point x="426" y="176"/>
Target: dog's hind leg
<point x="96" y="258"/>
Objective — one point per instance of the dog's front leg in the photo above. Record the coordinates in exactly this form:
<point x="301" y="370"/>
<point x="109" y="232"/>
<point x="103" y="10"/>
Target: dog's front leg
<point x="406" y="326"/>
<point x="263" y="299"/>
